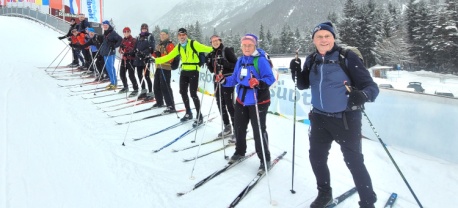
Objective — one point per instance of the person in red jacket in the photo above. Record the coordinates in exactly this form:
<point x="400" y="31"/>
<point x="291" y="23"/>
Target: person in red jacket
<point x="77" y="39"/>
<point x="128" y="56"/>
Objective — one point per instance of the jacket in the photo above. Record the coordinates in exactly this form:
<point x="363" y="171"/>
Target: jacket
<point x="162" y="49"/>
<point x="78" y="39"/>
<point x="326" y="79"/>
<point x="127" y="48"/>
<point x="111" y="40"/>
<point x="189" y="60"/>
<point x="215" y="60"/>
<point x="245" y="94"/>
<point x="144" y="46"/>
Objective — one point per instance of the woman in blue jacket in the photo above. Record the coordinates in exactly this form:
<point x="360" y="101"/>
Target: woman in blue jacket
<point x="253" y="77"/>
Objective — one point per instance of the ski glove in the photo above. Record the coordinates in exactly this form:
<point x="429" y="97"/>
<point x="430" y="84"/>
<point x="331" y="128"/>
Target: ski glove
<point x="152" y="60"/>
<point x="253" y="82"/>
<point x="357" y="98"/>
<point x="219" y="78"/>
<point x="61" y="37"/>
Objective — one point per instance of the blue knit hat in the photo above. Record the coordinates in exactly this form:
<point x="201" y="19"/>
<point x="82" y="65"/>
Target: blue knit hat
<point x="90" y="29"/>
<point x="324" y="26"/>
<point x="106" y="22"/>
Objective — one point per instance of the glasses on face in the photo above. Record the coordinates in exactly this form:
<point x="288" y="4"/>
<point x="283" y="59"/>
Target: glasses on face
<point x="247" y="46"/>
<point x="321" y="37"/>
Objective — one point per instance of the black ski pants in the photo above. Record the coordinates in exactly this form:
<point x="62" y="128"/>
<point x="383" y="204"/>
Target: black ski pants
<point x="327" y="128"/>
<point x="245" y="114"/>
<point x="162" y="89"/>
<point x="226" y="104"/>
<point x="127" y="67"/>
<point x="87" y="57"/>
<point x="190" y="79"/>
<point x="98" y="63"/>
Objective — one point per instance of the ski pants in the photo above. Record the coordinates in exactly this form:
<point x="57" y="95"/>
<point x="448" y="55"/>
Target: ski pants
<point x="127" y="67"/>
<point x="226" y="104"/>
<point x="190" y="79"/>
<point x="245" y="114"/>
<point x="162" y="88"/>
<point x="87" y="57"/>
<point x="331" y="127"/>
<point x="109" y="65"/>
<point x="77" y="56"/>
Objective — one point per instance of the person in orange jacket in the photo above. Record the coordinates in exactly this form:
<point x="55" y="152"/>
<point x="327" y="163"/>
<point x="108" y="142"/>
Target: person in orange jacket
<point x="77" y="39"/>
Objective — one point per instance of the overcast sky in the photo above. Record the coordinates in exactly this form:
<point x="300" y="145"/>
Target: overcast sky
<point x="128" y="13"/>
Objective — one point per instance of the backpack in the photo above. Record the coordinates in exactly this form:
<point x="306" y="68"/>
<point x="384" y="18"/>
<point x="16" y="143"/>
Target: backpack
<point x="200" y="55"/>
<point x="224" y="51"/>
<point x="343" y="53"/>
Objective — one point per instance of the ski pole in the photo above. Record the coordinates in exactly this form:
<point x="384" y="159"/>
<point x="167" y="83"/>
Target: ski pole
<point x="387" y="151"/>
<point x="100" y="76"/>
<point x="221" y="112"/>
<point x="294" y="128"/>
<point x="201" y="101"/>
<point x="132" y="112"/>
<point x="262" y="137"/>
<point x="60" y="61"/>
<point x="56" y="57"/>
<point x="201" y="139"/>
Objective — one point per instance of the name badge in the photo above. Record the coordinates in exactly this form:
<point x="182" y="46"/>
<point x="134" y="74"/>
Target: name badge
<point x="244" y="72"/>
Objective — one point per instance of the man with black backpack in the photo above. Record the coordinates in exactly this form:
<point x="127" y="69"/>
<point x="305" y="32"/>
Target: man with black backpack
<point x="336" y="113"/>
<point x="222" y="61"/>
<point x="161" y="88"/>
<point x="190" y="65"/>
<point x="144" y="46"/>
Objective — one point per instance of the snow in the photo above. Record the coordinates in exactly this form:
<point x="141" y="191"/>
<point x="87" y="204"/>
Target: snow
<point x="58" y="150"/>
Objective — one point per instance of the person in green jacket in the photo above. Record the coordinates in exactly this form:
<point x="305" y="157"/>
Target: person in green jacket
<point x="189" y="78"/>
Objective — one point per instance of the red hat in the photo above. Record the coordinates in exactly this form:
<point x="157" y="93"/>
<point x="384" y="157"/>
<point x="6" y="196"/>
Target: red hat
<point x="126" y="29"/>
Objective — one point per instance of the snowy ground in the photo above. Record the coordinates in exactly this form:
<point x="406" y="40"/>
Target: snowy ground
<point x="58" y="150"/>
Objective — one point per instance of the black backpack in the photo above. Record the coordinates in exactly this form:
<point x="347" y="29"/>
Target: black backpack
<point x="201" y="55"/>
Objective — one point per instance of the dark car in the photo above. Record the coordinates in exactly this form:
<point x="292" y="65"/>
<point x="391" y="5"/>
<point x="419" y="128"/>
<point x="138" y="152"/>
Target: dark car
<point x="416" y="86"/>
<point x="385" y="86"/>
<point x="445" y="94"/>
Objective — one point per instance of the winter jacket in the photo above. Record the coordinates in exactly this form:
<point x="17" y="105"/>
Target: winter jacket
<point x="111" y="40"/>
<point x="162" y="49"/>
<point x="128" y="48"/>
<point x="215" y="60"/>
<point x="326" y="79"/>
<point x="78" y="39"/>
<point x="189" y="60"/>
<point x="245" y="94"/>
<point x="94" y="43"/>
<point x="143" y="48"/>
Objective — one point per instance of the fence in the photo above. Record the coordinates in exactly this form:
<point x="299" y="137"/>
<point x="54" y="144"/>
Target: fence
<point x="48" y="20"/>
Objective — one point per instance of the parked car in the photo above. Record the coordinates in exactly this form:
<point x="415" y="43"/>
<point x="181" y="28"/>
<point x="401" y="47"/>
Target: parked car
<point x="416" y="86"/>
<point x="385" y="86"/>
<point x="446" y="94"/>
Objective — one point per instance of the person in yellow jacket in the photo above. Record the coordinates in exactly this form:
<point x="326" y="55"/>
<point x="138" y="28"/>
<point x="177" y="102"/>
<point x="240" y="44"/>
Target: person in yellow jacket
<point x="189" y="78"/>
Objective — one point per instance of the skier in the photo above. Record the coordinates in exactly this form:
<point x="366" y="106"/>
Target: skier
<point x="111" y="40"/>
<point x="143" y="48"/>
<point x="189" y="76"/>
<point x="295" y="66"/>
<point x="253" y="77"/>
<point x="77" y="40"/>
<point x="128" y="55"/>
<point x="336" y="113"/>
<point x="73" y="25"/>
<point x="223" y="62"/>
<point x="162" y="89"/>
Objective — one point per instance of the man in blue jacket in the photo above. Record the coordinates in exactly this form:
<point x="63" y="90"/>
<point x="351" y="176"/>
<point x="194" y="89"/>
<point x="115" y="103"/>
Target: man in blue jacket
<point x="336" y="114"/>
<point x="111" y="40"/>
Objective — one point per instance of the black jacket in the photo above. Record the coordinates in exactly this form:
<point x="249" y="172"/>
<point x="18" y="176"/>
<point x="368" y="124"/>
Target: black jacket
<point x="216" y="59"/>
<point x="111" y="40"/>
<point x="143" y="48"/>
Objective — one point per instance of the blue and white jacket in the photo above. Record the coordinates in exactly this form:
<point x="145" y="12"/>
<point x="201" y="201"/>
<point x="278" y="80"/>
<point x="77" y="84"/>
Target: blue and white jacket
<point x="326" y="79"/>
<point x="245" y="94"/>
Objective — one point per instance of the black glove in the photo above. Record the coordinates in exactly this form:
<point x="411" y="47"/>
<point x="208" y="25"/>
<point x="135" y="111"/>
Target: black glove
<point x="72" y="45"/>
<point x="158" y="54"/>
<point x="140" y="55"/>
<point x="152" y="60"/>
<point x="122" y="47"/>
<point x="61" y="37"/>
<point x="357" y="98"/>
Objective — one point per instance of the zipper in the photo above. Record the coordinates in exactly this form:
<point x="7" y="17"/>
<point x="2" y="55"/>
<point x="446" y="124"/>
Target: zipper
<point x="321" y="82"/>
